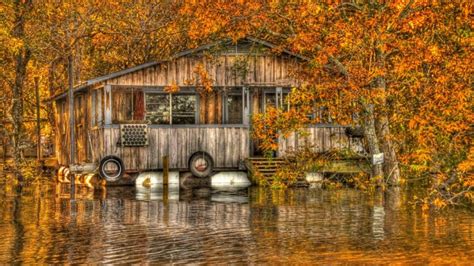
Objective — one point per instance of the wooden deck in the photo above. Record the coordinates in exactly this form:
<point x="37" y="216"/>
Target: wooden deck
<point x="267" y="167"/>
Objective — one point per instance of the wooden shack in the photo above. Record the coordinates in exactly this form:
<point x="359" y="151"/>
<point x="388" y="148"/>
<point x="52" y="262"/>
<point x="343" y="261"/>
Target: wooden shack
<point x="163" y="100"/>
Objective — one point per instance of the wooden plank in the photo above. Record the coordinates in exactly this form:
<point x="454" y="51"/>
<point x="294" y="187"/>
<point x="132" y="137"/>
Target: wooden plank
<point x="188" y="71"/>
<point x="173" y="148"/>
<point x="284" y="68"/>
<point x="227" y="152"/>
<point x="219" y="106"/>
<point x="213" y="142"/>
<point x="327" y="138"/>
<point x="231" y="80"/>
<point x="211" y="107"/>
<point x="151" y="148"/>
<point x="220" y="71"/>
<point x="163" y="146"/>
<point x="245" y="147"/>
<point x="221" y="143"/>
<point x="179" y="69"/>
<point x="108" y="105"/>
<point x="236" y="147"/>
<point x="184" y="148"/>
<point x="273" y="59"/>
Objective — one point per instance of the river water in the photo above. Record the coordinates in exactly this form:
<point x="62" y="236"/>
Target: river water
<point x="40" y="225"/>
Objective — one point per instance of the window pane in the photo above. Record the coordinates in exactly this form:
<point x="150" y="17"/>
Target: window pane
<point x="127" y="105"/>
<point x="270" y="100"/>
<point x="184" y="120"/>
<point x="184" y="109"/>
<point x="157" y="108"/>
<point x="285" y="102"/>
<point x="234" y="109"/>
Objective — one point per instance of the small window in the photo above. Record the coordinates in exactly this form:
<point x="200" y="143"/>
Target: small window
<point x="157" y="108"/>
<point x="234" y="112"/>
<point x="170" y="108"/>
<point x="127" y="105"/>
<point x="183" y="109"/>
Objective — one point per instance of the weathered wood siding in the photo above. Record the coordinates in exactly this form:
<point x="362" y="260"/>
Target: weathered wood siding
<point x="227" y="146"/>
<point x="264" y="70"/>
<point x="319" y="139"/>
<point x="258" y="70"/>
<point x="82" y="117"/>
<point x="62" y="132"/>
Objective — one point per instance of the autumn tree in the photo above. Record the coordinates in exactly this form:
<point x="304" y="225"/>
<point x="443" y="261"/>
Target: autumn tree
<point x="17" y="57"/>
<point x="400" y="69"/>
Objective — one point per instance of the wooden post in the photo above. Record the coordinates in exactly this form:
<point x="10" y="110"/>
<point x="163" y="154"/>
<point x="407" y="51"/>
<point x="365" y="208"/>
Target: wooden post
<point x="38" y="121"/>
<point x="72" y="140"/>
<point x="165" y="170"/>
<point x="165" y="179"/>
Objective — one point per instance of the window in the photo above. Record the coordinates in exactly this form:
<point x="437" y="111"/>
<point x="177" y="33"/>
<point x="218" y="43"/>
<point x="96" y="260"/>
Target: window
<point x="234" y="112"/>
<point x="170" y="108"/>
<point x="157" y="108"/>
<point x="276" y="100"/>
<point x="183" y="109"/>
<point x="127" y="105"/>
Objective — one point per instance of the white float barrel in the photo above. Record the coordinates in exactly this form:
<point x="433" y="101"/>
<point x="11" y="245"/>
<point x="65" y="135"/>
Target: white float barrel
<point x="232" y="180"/>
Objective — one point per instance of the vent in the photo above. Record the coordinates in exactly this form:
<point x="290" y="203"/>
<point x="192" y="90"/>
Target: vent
<point x="134" y="135"/>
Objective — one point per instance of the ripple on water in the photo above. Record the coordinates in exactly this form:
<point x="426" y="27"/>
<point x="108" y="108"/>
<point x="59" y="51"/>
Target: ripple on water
<point x="297" y="226"/>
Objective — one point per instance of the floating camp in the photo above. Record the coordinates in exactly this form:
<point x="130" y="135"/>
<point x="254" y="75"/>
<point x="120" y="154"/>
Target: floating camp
<point x="154" y="117"/>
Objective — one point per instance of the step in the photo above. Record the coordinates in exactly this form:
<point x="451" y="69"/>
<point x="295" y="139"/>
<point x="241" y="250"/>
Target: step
<point x="267" y="170"/>
<point x="267" y="163"/>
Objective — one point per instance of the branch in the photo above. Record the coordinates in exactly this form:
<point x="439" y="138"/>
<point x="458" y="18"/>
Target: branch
<point x="406" y="10"/>
<point x="333" y="60"/>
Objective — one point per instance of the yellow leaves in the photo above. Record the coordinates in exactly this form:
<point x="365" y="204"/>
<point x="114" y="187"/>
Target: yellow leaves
<point x="204" y="81"/>
<point x="435" y="52"/>
<point x="439" y="203"/>
<point x="467" y="166"/>
<point x="412" y="123"/>
<point x="173" y="88"/>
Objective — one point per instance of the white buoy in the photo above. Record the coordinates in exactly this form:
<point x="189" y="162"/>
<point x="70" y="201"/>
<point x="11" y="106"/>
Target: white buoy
<point x="230" y="181"/>
<point x="149" y="186"/>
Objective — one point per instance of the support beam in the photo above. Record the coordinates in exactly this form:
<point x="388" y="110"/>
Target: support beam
<point x="72" y="154"/>
<point x="38" y="121"/>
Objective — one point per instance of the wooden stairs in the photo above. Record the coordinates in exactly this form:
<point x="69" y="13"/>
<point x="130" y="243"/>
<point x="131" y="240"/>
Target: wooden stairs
<point x="267" y="167"/>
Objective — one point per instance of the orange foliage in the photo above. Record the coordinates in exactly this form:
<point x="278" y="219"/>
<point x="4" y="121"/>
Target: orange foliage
<point x="410" y="60"/>
<point x="204" y="81"/>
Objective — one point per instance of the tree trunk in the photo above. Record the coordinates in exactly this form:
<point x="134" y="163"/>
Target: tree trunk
<point x="382" y="126"/>
<point x="21" y="61"/>
<point x="372" y="140"/>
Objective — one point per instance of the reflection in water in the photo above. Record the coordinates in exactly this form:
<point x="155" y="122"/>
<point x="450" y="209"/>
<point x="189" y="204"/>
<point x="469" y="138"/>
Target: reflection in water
<point x="39" y="225"/>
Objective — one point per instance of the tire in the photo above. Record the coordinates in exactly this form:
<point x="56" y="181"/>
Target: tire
<point x="201" y="164"/>
<point x="111" y="177"/>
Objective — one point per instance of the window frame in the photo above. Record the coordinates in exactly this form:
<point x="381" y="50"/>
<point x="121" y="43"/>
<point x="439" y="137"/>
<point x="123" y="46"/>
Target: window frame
<point x="170" y="106"/>
<point x="239" y="91"/>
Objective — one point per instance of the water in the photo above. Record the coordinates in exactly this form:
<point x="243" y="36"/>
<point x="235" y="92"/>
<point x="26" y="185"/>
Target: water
<point x="296" y="226"/>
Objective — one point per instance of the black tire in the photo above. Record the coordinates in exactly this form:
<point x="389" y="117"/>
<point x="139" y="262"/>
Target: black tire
<point x="201" y="164"/>
<point x="114" y="160"/>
